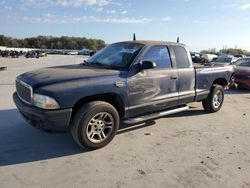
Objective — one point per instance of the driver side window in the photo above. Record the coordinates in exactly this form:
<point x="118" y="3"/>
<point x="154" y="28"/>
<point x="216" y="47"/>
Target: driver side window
<point x="159" y="55"/>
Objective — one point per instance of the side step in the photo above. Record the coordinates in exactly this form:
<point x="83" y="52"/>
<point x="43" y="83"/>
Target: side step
<point x="155" y="115"/>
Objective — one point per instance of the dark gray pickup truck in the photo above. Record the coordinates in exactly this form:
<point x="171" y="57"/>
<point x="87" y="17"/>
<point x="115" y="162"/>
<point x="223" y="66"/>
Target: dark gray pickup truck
<point x="127" y="82"/>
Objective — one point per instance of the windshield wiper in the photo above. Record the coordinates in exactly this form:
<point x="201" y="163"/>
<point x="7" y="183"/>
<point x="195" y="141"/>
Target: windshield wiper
<point x="97" y="63"/>
<point x="92" y="63"/>
<point x="85" y="63"/>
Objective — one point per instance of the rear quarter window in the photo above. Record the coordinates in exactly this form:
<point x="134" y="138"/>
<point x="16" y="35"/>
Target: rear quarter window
<point x="181" y="57"/>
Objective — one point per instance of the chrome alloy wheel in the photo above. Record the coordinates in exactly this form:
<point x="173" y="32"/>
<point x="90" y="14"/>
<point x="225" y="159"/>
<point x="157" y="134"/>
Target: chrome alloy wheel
<point x="100" y="127"/>
<point x="218" y="98"/>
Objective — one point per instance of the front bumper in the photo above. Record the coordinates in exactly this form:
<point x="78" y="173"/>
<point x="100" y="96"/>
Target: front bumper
<point x="48" y="120"/>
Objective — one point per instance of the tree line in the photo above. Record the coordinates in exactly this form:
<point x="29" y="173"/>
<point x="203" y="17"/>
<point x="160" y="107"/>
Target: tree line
<point x="235" y="51"/>
<point x="232" y="51"/>
<point x="50" y="42"/>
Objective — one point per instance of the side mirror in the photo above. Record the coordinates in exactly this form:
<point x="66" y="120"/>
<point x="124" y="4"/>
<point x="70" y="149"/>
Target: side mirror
<point x="148" y="65"/>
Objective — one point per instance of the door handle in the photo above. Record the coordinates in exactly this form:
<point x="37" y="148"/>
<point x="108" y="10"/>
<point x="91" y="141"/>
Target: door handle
<point x="173" y="77"/>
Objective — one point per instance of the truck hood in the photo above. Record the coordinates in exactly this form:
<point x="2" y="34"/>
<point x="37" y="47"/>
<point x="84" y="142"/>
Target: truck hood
<point x="60" y="74"/>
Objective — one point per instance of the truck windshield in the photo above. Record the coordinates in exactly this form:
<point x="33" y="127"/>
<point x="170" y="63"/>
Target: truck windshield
<point x="117" y="56"/>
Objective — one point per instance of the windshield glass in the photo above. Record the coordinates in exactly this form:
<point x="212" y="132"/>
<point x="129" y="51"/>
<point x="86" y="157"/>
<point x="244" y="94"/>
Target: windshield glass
<point x="119" y="55"/>
<point x="243" y="63"/>
<point x="224" y="60"/>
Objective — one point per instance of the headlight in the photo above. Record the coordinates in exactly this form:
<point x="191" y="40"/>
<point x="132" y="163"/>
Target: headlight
<point x="45" y="102"/>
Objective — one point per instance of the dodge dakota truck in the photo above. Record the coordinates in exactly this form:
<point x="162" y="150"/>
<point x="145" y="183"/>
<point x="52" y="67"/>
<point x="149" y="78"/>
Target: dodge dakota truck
<point x="126" y="82"/>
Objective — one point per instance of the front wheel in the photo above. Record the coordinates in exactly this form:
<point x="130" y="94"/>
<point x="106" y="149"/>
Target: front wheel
<point x="95" y="124"/>
<point x="214" y="101"/>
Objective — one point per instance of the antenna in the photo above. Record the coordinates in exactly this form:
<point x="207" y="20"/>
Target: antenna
<point x="178" y="39"/>
<point x="134" y="37"/>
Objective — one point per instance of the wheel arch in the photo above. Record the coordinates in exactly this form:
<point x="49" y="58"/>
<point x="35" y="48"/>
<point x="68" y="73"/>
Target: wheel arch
<point x="111" y="98"/>
<point x="220" y="81"/>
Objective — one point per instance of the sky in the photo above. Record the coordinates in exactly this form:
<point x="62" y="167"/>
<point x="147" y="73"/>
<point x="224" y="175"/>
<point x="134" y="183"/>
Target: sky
<point x="200" y="24"/>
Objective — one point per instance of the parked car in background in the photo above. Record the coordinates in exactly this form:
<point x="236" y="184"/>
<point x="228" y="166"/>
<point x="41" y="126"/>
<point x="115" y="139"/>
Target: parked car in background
<point x="242" y="73"/>
<point x="223" y="61"/>
<point x="87" y="52"/>
<point x="35" y="54"/>
<point x="239" y="56"/>
<point x="194" y="55"/>
<point x="72" y="53"/>
<point x="209" y="57"/>
<point x="42" y="54"/>
<point x="31" y="54"/>
<point x="4" y="53"/>
<point x="10" y="53"/>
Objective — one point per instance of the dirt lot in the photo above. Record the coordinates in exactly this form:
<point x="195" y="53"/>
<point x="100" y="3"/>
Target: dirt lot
<point x="189" y="149"/>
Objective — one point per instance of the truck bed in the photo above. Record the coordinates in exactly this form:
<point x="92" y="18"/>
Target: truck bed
<point x="207" y="76"/>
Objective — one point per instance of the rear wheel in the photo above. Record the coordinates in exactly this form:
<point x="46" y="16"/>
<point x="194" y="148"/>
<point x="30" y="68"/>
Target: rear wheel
<point x="95" y="124"/>
<point x="214" y="100"/>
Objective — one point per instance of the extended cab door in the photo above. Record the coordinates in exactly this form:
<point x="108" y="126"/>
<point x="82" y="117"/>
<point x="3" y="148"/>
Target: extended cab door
<point x="186" y="74"/>
<point x="153" y="89"/>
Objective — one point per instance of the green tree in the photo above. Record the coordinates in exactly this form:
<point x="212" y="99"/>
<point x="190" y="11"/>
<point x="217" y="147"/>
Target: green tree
<point x="50" y="42"/>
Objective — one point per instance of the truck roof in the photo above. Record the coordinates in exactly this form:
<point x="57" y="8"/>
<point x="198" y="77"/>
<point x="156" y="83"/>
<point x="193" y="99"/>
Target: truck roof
<point x="150" y="43"/>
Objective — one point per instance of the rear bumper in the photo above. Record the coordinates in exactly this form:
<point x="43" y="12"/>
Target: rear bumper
<point x="48" y="120"/>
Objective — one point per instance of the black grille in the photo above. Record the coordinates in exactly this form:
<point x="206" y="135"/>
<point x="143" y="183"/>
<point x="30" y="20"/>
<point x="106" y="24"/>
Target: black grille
<point x="23" y="91"/>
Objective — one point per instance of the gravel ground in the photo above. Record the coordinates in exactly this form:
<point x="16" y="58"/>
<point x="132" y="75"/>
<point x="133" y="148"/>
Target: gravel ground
<point x="189" y="149"/>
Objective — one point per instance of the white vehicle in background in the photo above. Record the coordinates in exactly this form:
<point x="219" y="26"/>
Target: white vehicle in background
<point x="72" y="53"/>
<point x="209" y="57"/>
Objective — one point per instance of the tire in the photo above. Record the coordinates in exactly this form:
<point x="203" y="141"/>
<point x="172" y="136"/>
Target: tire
<point x="214" y="101"/>
<point x="95" y="125"/>
<point x="232" y="84"/>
